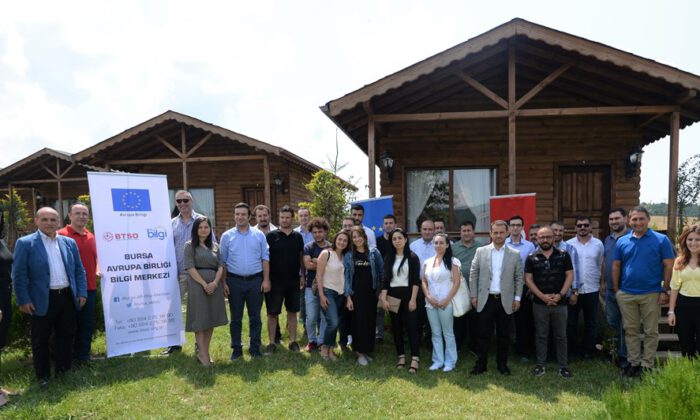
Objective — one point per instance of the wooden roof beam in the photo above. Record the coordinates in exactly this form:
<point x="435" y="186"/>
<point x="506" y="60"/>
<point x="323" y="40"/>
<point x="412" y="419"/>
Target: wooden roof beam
<point x="483" y="90"/>
<point x="198" y="145"/>
<point x="541" y="85"/>
<point x="689" y="96"/>
<point x="170" y="146"/>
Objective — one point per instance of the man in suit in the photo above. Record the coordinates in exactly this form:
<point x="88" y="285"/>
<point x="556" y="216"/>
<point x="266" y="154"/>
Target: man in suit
<point x="496" y="285"/>
<point x="50" y="286"/>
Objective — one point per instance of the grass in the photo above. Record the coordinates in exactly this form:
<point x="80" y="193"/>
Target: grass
<point x="301" y="385"/>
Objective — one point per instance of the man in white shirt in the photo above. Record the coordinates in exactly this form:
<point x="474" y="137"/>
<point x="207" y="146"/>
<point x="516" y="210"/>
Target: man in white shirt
<point x="358" y="214"/>
<point x="262" y="219"/>
<point x="590" y="252"/>
<point x="423" y="247"/>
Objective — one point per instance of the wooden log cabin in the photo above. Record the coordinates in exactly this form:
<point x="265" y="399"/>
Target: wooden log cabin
<point x="521" y="108"/>
<point x="219" y="166"/>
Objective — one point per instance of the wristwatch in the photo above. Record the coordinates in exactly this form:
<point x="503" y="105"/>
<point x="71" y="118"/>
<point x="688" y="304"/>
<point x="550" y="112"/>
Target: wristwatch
<point x="575" y="291"/>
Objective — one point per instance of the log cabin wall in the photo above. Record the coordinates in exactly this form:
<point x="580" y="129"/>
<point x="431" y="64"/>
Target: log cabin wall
<point x="543" y="145"/>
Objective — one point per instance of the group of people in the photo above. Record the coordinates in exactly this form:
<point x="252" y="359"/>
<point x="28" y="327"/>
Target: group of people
<point x="341" y="287"/>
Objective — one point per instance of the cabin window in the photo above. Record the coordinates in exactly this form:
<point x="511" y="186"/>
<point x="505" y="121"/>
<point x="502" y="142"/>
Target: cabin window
<point x="454" y="195"/>
<point x="203" y="202"/>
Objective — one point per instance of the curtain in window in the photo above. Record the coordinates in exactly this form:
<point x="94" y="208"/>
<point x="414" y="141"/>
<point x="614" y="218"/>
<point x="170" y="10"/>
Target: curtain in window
<point x="472" y="189"/>
<point x="419" y="188"/>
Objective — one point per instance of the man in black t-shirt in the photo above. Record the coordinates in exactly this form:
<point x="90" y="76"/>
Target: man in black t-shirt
<point x="549" y="273"/>
<point x="286" y="247"/>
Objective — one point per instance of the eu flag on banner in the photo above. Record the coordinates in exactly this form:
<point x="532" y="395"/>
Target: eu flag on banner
<point x="127" y="199"/>
<point x="375" y="210"/>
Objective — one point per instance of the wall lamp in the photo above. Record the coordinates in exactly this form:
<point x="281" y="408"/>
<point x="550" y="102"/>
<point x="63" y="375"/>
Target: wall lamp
<point x="279" y="183"/>
<point x="634" y="161"/>
<point x="387" y="162"/>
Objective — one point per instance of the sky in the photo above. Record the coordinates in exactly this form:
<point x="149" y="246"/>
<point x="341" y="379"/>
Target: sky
<point x="76" y="73"/>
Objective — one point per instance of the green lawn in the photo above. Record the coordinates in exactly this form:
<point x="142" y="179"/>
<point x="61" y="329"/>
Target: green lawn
<point x="300" y="385"/>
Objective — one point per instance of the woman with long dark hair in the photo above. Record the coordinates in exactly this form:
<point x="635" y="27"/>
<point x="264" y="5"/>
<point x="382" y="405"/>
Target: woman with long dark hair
<point x="363" y="277"/>
<point x="684" y="306"/>
<point x="401" y="281"/>
<point x="330" y="281"/>
<point x="206" y="308"/>
<point x="441" y="278"/>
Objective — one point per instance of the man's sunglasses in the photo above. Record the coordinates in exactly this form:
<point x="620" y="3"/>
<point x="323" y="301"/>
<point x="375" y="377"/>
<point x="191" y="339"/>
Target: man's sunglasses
<point x="182" y="200"/>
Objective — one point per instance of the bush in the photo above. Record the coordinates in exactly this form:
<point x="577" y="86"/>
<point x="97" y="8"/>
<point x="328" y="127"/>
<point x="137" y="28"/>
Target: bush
<point x="672" y="392"/>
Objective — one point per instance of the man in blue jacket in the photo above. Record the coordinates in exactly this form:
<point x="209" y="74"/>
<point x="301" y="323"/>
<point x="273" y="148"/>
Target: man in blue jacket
<point x="50" y="286"/>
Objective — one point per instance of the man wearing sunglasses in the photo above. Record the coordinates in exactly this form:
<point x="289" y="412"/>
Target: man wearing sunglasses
<point x="590" y="253"/>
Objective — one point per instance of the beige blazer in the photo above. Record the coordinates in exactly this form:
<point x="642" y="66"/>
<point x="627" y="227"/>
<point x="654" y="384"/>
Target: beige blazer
<point x="511" y="277"/>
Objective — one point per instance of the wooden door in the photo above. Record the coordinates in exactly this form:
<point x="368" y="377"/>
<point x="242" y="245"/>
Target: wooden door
<point x="584" y="190"/>
<point x="256" y="195"/>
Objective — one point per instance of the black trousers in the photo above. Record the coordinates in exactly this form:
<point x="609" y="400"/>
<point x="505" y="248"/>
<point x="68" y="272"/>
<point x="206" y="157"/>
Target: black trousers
<point x="405" y="321"/>
<point x="525" y="328"/>
<point x="493" y="314"/>
<point x="688" y="325"/>
<point x="61" y="320"/>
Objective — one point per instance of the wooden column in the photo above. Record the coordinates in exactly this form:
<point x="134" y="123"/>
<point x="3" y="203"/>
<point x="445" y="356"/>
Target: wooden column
<point x="183" y="140"/>
<point x="34" y="209"/>
<point x="673" y="176"/>
<point x="511" y="120"/>
<point x="370" y="156"/>
<point x="59" y="191"/>
<point x="266" y="180"/>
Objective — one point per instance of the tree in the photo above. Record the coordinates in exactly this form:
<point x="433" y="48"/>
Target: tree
<point x="329" y="198"/>
<point x="688" y="187"/>
<point x="15" y="215"/>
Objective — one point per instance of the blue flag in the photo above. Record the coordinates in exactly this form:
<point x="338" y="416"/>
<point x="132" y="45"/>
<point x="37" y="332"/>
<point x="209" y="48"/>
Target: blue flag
<point x="130" y="200"/>
<point x="375" y="210"/>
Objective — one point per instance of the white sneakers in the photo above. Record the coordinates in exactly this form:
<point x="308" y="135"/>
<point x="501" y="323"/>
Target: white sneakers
<point x="362" y="360"/>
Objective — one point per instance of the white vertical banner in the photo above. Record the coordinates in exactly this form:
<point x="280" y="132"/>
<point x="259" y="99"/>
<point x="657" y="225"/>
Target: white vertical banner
<point x="136" y="253"/>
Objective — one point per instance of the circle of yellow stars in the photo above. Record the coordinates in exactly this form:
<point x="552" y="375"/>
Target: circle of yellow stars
<point x="128" y="199"/>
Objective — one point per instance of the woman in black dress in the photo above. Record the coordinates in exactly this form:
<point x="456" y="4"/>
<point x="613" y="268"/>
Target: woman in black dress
<point x="402" y="281"/>
<point x="363" y="277"/>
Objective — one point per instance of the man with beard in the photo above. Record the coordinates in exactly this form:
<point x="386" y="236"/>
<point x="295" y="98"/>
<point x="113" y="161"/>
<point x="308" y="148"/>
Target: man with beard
<point x="358" y="214"/>
<point x="286" y="248"/>
<point x="585" y="298"/>
<point x="383" y="245"/>
<point x="617" y="220"/>
<point x="464" y="250"/>
<point x="262" y="219"/>
<point x="315" y="323"/>
<point x="549" y="274"/>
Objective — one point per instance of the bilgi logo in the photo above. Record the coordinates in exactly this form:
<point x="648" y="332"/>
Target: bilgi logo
<point x="157" y="232"/>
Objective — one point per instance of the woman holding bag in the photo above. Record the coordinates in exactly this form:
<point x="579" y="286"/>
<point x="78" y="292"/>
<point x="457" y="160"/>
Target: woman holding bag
<point x="401" y="281"/>
<point x="441" y="279"/>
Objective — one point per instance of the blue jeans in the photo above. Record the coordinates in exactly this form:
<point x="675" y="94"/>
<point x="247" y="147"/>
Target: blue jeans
<point x="314" y="320"/>
<point x="614" y="319"/>
<point x="441" y="323"/>
<point x="86" y="327"/>
<point x="248" y="293"/>
<point x="332" y="315"/>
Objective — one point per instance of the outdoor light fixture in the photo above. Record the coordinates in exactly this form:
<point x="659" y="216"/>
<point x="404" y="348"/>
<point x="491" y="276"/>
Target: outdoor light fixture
<point x="388" y="164"/>
<point x="279" y="183"/>
<point x="634" y="161"/>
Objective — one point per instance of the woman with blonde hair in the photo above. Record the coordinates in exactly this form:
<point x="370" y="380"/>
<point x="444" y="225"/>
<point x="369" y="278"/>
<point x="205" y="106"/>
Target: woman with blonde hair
<point x="684" y="306"/>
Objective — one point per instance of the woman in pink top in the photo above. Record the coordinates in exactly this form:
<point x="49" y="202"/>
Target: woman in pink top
<point x="330" y="278"/>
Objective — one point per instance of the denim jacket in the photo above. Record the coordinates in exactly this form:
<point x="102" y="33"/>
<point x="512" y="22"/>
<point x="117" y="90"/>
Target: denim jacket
<point x="376" y="264"/>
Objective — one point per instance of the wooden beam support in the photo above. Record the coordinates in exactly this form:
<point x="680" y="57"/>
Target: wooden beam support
<point x="45" y="181"/>
<point x="690" y="95"/>
<point x="673" y="176"/>
<point x="60" y="192"/>
<point x="541" y="85"/>
<point x="483" y="90"/>
<point x="266" y="180"/>
<point x="62" y="174"/>
<point x="602" y="110"/>
<point x="183" y="155"/>
<point x="439" y="116"/>
<point x="371" y="176"/>
<point x="189" y="160"/>
<point x="54" y="175"/>
<point x="198" y="145"/>
<point x="169" y="146"/>
<point x="511" y="120"/>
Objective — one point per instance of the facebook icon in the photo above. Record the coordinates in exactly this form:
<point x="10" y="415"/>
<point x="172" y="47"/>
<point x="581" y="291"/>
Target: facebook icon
<point x="130" y="200"/>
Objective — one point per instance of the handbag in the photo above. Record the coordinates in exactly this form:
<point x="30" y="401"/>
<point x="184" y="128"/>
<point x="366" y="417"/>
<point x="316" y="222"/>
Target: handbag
<point x="460" y="301"/>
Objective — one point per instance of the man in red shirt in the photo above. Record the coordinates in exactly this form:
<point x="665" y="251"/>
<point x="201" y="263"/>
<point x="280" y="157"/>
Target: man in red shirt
<point x="79" y="215"/>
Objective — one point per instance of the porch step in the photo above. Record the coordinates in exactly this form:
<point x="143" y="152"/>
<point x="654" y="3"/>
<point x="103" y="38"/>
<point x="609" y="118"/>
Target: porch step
<point x="668" y="337"/>
<point x="664" y="355"/>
